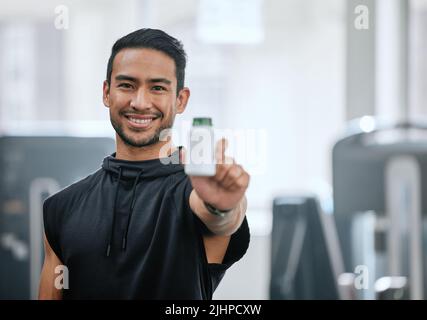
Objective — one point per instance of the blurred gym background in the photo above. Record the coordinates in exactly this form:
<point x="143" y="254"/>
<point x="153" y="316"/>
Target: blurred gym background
<point x="327" y="98"/>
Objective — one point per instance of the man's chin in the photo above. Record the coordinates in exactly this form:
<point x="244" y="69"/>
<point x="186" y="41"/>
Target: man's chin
<point x="139" y="143"/>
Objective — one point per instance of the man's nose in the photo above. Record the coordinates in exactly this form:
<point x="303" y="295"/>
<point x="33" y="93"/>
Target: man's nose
<point x="141" y="100"/>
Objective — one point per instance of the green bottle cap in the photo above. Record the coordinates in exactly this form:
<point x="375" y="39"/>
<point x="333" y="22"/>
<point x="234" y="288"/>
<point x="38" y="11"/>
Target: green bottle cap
<point x="202" y="121"/>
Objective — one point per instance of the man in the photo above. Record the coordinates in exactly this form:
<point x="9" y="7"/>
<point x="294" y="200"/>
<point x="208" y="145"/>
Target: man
<point x="139" y="227"/>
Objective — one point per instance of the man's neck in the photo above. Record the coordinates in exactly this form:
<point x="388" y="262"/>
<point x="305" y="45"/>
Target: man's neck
<point x="158" y="150"/>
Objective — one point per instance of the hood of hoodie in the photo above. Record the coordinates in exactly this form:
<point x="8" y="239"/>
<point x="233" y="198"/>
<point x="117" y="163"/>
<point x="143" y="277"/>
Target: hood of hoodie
<point x="144" y="169"/>
<point x="136" y="171"/>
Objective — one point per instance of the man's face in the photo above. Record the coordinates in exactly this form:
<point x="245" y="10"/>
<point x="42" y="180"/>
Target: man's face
<point x="142" y="96"/>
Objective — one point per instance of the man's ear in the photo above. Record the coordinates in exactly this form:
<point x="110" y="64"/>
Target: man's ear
<point x="106" y="93"/>
<point x="182" y="100"/>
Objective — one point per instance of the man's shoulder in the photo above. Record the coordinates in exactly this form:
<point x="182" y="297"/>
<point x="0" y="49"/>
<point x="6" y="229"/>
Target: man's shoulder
<point x="74" y="190"/>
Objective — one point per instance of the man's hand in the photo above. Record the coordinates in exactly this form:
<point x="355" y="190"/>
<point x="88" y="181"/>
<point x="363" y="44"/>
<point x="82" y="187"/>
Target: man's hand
<point x="227" y="187"/>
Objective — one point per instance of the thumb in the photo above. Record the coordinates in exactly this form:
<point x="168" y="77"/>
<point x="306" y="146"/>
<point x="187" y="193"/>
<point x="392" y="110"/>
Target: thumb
<point x="182" y="155"/>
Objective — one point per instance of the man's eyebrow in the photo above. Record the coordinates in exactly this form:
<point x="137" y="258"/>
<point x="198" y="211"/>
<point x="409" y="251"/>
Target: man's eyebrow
<point x="122" y="77"/>
<point x="162" y="80"/>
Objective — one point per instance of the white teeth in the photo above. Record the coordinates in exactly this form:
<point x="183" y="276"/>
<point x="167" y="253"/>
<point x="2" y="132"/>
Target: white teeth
<point x="141" y="121"/>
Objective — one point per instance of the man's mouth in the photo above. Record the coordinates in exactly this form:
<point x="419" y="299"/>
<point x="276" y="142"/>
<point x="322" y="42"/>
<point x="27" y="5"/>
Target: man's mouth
<point x="140" y="121"/>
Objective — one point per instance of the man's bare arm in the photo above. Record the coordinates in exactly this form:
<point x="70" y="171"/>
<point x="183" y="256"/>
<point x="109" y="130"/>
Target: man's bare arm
<point x="222" y="227"/>
<point x="47" y="290"/>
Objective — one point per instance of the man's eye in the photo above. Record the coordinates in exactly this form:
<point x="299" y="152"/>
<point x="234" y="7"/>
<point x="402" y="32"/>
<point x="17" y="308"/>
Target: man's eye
<point x="125" y="85"/>
<point x="158" y="88"/>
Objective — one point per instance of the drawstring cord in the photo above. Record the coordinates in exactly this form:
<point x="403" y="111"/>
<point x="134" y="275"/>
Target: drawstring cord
<point x="114" y="213"/>
<point x="132" y="205"/>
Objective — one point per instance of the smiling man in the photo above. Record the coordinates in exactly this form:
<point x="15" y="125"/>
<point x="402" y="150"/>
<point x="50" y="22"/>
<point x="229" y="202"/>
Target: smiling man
<point x="139" y="227"/>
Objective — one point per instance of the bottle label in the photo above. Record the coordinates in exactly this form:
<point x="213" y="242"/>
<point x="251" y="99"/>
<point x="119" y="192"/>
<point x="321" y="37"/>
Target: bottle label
<point x="201" y="146"/>
<point x="201" y="159"/>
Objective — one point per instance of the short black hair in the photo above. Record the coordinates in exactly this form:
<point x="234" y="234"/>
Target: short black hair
<point x="157" y="40"/>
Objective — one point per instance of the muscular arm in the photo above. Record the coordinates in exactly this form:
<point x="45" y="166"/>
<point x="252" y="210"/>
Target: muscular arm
<point x="222" y="227"/>
<point x="47" y="290"/>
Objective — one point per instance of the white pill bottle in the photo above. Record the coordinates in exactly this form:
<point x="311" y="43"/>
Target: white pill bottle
<point x="200" y="157"/>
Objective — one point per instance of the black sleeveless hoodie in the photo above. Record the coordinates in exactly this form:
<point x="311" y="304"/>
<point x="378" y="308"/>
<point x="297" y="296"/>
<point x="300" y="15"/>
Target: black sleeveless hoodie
<point x="127" y="232"/>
